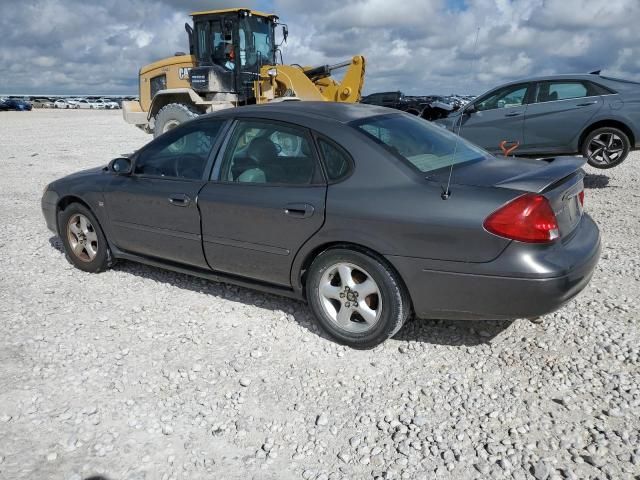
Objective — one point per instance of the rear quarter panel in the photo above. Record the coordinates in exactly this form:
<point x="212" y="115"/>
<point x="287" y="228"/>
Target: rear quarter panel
<point x="390" y="209"/>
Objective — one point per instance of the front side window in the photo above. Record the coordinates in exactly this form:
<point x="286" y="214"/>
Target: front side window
<point x="552" y="91"/>
<point x="182" y="154"/>
<point x="504" y="98"/>
<point x="424" y="145"/>
<point x="269" y="153"/>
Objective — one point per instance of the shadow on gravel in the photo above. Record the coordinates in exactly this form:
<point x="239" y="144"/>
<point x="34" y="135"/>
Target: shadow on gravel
<point x="452" y="332"/>
<point x="56" y="243"/>
<point x="437" y="332"/>
<point x="595" y="180"/>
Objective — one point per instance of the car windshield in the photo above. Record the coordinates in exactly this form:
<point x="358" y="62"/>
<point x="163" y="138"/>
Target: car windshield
<point x="426" y="146"/>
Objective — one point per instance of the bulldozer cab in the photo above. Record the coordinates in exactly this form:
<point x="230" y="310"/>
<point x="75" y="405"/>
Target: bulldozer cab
<point x="230" y="47"/>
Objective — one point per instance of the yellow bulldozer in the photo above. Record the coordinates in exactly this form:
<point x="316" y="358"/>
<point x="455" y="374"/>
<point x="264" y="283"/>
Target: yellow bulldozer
<point x="232" y="61"/>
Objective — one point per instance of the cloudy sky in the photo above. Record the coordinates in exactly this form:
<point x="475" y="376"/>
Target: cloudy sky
<point x="418" y="46"/>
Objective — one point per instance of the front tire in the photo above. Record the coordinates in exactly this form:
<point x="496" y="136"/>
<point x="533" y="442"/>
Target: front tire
<point x="172" y="115"/>
<point x="606" y="147"/>
<point x="357" y="298"/>
<point x="84" y="242"/>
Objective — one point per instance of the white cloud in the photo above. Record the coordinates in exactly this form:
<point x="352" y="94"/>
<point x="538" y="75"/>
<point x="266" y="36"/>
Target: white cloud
<point x="419" y="46"/>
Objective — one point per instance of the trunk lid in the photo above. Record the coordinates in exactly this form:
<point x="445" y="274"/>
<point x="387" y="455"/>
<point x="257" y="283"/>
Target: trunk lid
<point x="559" y="179"/>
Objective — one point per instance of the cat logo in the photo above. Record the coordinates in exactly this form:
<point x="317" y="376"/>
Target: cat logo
<point x="183" y="72"/>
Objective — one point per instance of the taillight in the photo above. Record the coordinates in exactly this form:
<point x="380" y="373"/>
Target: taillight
<point x="581" y="197"/>
<point x="528" y="218"/>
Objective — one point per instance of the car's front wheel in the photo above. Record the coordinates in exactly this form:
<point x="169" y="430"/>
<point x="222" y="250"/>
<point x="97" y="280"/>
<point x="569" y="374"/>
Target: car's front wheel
<point x="84" y="242"/>
<point x="357" y="299"/>
<point x="606" y="147"/>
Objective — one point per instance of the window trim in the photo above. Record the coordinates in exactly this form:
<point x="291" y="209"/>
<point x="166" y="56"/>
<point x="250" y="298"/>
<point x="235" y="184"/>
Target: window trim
<point x="210" y="158"/>
<point x="318" y="178"/>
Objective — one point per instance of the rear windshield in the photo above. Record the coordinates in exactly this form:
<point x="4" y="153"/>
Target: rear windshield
<point x="425" y="146"/>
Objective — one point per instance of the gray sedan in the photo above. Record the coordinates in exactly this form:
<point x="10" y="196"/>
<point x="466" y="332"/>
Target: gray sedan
<point x="350" y="207"/>
<point x="591" y="115"/>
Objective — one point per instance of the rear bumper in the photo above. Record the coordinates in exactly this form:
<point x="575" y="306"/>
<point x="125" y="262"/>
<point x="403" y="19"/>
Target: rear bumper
<point x="525" y="281"/>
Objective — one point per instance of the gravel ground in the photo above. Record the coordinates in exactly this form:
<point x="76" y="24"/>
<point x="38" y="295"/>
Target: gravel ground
<point x="141" y="373"/>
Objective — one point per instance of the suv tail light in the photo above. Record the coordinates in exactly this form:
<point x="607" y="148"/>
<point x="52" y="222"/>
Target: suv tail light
<point x="581" y="197"/>
<point x="528" y="218"/>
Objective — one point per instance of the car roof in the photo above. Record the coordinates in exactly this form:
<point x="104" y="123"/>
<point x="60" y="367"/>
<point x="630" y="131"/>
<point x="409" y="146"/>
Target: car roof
<point x="562" y="76"/>
<point x="339" y="112"/>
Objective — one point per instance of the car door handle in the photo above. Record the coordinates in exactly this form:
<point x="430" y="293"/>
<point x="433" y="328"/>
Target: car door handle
<point x="512" y="114"/>
<point x="299" y="210"/>
<point x="179" y="200"/>
<point x="586" y="104"/>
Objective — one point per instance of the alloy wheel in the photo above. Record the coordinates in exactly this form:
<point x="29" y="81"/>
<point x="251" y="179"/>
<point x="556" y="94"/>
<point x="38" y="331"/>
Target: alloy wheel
<point x="605" y="148"/>
<point x="350" y="297"/>
<point x="82" y="237"/>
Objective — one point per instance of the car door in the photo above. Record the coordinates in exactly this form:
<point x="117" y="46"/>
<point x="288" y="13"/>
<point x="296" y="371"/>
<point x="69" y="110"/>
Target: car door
<point x="559" y="112"/>
<point x="496" y="117"/>
<point x="266" y="200"/>
<point x="153" y="211"/>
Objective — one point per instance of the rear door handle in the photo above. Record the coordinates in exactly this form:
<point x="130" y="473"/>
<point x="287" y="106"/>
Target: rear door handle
<point x="299" y="210"/>
<point x="512" y="114"/>
<point x="179" y="199"/>
<point x="586" y="104"/>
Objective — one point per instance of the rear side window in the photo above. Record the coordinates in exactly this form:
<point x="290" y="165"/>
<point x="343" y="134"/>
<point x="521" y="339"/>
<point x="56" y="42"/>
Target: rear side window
<point x="597" y="89"/>
<point x="337" y="162"/>
<point x="553" y="91"/>
<point x="269" y="153"/>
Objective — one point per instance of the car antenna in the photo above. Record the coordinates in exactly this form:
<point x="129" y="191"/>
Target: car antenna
<point x="446" y="192"/>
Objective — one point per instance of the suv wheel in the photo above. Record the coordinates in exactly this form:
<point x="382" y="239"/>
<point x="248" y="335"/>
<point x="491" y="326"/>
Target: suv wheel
<point x="357" y="299"/>
<point x="606" y="147"/>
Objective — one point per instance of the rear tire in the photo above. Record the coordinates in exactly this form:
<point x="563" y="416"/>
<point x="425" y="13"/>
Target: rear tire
<point x="84" y="242"/>
<point x="606" y="147"/>
<point x="363" y="309"/>
<point x="172" y="115"/>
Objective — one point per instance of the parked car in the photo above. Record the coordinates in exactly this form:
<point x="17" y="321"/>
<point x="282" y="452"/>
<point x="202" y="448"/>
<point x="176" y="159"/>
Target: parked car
<point x="83" y="103"/>
<point x="341" y="205"/>
<point x="430" y="107"/>
<point x="110" y="104"/>
<point x="97" y="103"/>
<point x="591" y="115"/>
<point x="15" y="104"/>
<point x="42" y="103"/>
<point x="62" y="103"/>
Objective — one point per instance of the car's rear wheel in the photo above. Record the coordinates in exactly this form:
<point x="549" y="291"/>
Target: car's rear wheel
<point x="84" y="242"/>
<point x="606" y="147"/>
<point x="357" y="299"/>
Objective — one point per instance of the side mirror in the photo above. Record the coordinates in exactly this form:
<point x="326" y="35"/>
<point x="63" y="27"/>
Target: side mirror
<point x="285" y="33"/>
<point x="470" y="109"/>
<point x="120" y="166"/>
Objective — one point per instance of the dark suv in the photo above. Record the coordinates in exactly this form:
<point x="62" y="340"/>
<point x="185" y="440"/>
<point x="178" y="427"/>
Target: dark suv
<point x="588" y="114"/>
